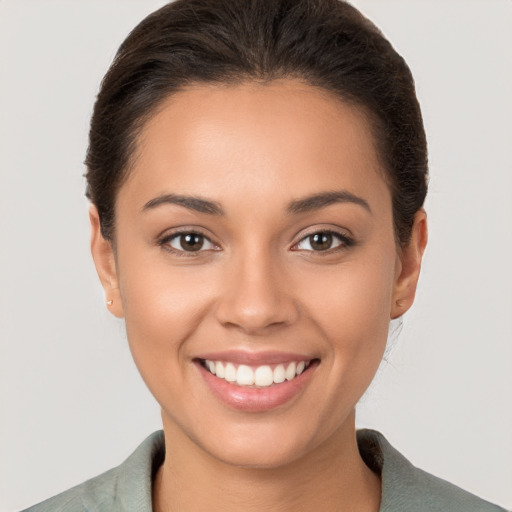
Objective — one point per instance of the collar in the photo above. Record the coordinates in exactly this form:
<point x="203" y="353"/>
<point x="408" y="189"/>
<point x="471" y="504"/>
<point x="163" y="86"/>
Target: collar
<point x="405" y="488"/>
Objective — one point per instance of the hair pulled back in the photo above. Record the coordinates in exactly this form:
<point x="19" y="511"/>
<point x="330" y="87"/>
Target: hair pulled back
<point x="326" y="43"/>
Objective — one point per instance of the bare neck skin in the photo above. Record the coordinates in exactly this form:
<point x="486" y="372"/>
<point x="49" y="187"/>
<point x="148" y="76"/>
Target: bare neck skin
<point x="332" y="478"/>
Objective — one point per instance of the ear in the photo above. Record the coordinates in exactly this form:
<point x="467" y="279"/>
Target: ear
<point x="408" y="267"/>
<point x="105" y="262"/>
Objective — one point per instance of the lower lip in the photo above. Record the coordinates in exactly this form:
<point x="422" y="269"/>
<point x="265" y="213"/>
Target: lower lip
<point x="256" y="399"/>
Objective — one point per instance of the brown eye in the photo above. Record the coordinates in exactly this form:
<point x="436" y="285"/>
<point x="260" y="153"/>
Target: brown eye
<point x="322" y="241"/>
<point x="190" y="242"/>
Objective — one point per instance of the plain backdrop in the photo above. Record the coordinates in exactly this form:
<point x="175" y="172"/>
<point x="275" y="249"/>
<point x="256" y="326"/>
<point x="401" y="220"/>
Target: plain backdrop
<point x="72" y="403"/>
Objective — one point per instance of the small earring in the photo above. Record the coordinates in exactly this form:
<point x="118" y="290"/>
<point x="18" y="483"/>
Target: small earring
<point x="110" y="302"/>
<point x="400" y="303"/>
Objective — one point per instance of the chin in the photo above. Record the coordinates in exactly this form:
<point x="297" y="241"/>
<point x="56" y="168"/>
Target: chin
<point x="257" y="455"/>
<point x="264" y="444"/>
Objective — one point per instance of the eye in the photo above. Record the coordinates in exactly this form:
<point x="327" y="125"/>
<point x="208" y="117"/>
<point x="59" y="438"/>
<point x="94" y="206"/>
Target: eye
<point x="189" y="242"/>
<point x="323" y="241"/>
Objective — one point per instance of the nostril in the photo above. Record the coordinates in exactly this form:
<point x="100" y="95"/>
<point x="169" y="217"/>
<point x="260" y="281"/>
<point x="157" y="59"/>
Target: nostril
<point x="253" y="313"/>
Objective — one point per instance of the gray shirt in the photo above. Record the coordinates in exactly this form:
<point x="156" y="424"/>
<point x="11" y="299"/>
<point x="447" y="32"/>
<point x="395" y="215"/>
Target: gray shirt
<point x="405" y="488"/>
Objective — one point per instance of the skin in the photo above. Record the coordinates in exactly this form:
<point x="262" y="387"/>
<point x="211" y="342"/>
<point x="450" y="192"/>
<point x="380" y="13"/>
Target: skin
<point x="253" y="148"/>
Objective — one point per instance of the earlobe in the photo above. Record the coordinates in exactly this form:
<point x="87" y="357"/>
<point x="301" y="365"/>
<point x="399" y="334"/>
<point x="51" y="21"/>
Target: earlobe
<point x="410" y="264"/>
<point x="105" y="262"/>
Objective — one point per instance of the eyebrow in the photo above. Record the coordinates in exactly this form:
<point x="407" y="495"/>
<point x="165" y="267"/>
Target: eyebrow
<point x="304" y="205"/>
<point x="323" y="199"/>
<point x="195" y="203"/>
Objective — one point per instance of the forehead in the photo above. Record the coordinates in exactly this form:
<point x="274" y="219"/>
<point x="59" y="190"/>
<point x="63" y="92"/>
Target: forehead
<point x="255" y="138"/>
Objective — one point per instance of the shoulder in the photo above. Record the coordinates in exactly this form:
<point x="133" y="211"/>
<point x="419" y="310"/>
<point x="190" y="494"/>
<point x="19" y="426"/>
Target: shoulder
<point x="124" y="488"/>
<point x="99" y="491"/>
<point x="407" y="488"/>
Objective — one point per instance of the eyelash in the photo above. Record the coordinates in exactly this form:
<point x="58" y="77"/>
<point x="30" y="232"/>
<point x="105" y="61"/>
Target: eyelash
<point x="345" y="242"/>
<point x="164" y="242"/>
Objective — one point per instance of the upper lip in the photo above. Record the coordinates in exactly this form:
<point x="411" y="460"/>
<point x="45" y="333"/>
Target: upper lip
<point x="255" y="358"/>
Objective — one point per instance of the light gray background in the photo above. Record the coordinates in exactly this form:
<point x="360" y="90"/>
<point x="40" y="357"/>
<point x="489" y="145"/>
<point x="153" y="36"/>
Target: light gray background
<point x="72" y="404"/>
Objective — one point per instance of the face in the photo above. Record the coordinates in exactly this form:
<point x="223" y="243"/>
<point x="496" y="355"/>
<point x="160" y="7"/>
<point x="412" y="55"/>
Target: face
<point x="256" y="267"/>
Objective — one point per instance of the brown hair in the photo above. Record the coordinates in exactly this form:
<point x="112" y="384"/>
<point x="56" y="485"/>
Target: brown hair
<point x="327" y="43"/>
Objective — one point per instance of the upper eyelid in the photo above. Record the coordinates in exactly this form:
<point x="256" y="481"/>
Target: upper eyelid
<point x="343" y="234"/>
<point x="326" y="230"/>
<point x="165" y="239"/>
<point x="166" y="235"/>
<point x="346" y="240"/>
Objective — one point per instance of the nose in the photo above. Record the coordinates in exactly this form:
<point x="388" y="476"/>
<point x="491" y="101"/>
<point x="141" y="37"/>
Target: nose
<point x="256" y="296"/>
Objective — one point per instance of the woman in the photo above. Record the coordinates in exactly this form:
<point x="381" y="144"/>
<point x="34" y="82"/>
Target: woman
<point x="257" y="174"/>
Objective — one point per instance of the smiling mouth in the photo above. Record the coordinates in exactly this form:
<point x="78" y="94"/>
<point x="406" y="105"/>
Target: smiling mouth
<point x="263" y="376"/>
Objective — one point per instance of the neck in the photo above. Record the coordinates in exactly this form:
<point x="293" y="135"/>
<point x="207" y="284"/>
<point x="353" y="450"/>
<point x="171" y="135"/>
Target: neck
<point x="331" y="478"/>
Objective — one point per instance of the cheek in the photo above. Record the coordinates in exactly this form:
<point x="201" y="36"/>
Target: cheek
<point x="351" y="307"/>
<point x="353" y="301"/>
<point x="163" y="305"/>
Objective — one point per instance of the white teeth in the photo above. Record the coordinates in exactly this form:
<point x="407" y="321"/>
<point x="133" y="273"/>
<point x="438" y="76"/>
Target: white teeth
<point x="261" y="376"/>
<point x="244" y="376"/>
<point x="219" y="370"/>
<point x="290" y="371"/>
<point x="230" y="373"/>
<point x="279" y="374"/>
